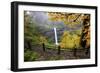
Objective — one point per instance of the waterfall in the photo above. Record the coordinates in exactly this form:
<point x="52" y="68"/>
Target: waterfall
<point x="55" y="32"/>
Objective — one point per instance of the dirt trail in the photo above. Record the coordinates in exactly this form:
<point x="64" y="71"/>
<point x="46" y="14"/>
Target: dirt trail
<point x="51" y="54"/>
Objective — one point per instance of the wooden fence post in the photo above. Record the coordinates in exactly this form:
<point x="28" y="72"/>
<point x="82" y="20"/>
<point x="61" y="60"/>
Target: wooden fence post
<point x="74" y="52"/>
<point x="59" y="50"/>
<point x="43" y="47"/>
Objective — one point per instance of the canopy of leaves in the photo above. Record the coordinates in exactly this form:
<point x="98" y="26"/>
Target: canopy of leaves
<point x="70" y="19"/>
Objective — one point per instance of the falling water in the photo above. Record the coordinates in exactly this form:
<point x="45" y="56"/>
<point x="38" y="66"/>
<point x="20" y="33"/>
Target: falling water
<point x="56" y="40"/>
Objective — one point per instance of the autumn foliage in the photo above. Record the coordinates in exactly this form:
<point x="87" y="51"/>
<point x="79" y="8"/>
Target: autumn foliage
<point x="72" y="20"/>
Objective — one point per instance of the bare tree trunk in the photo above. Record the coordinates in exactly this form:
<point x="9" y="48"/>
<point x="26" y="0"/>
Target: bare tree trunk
<point x="29" y="45"/>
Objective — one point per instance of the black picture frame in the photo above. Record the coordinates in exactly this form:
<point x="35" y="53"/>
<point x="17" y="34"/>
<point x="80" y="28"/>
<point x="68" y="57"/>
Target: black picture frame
<point x="14" y="35"/>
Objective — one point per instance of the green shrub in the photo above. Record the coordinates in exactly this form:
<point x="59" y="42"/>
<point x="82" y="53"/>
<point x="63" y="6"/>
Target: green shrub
<point x="30" y="55"/>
